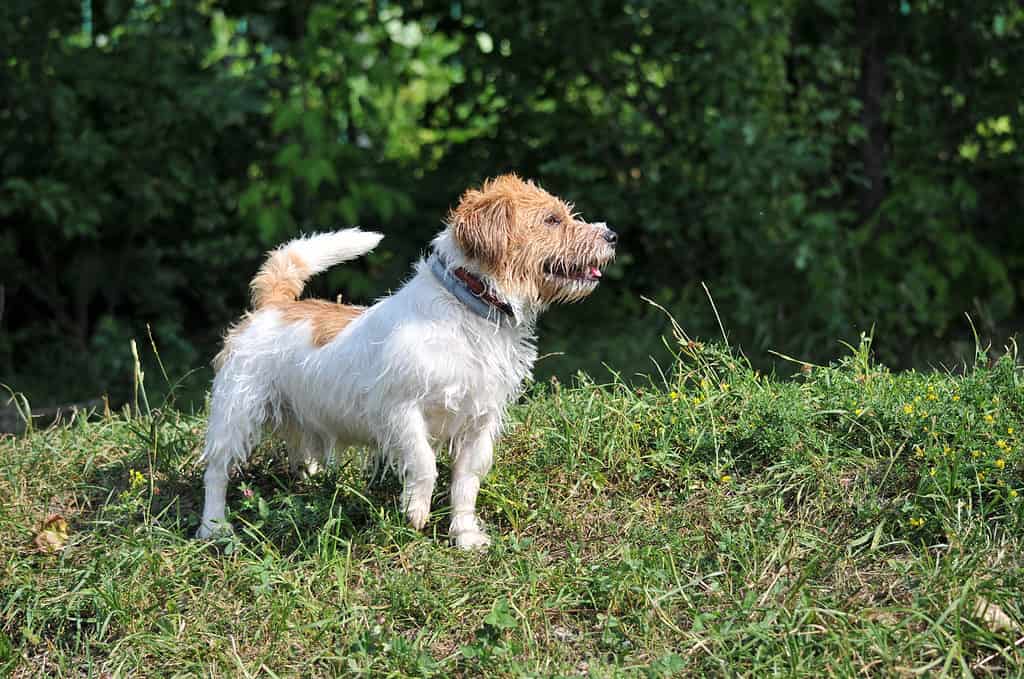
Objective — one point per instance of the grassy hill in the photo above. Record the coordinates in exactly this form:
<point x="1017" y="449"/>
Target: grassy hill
<point x="846" y="521"/>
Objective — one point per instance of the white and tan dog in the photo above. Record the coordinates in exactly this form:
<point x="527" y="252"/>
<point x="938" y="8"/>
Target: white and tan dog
<point x="436" y="363"/>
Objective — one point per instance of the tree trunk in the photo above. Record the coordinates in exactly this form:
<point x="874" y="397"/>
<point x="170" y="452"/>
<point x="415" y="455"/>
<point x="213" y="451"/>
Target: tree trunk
<point x="871" y="22"/>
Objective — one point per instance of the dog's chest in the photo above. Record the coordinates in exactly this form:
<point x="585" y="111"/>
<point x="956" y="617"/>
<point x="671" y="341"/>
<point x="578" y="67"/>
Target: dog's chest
<point x="427" y="348"/>
<point x="475" y="380"/>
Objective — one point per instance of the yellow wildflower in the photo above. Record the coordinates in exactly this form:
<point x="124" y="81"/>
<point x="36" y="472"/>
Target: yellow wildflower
<point x="1002" y="445"/>
<point x="1013" y="493"/>
<point x="674" y="395"/>
<point x="908" y="409"/>
<point x="858" y="412"/>
<point x="975" y="454"/>
<point x="990" y="419"/>
<point x="1000" y="463"/>
<point x="726" y="478"/>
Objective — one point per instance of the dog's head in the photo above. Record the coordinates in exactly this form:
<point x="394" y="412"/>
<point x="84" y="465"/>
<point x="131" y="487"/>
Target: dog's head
<point x="529" y="242"/>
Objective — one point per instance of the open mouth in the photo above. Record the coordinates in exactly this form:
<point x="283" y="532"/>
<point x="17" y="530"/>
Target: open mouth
<point x="586" y="274"/>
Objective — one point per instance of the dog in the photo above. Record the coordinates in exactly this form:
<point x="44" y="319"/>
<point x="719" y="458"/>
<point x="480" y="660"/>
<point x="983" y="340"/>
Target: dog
<point x="435" y="364"/>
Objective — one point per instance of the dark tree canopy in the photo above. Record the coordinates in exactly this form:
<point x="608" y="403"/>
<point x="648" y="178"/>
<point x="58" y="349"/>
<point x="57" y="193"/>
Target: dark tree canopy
<point x="826" y="167"/>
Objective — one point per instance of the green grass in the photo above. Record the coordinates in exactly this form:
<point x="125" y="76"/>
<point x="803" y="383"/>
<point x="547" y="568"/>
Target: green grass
<point x="846" y="521"/>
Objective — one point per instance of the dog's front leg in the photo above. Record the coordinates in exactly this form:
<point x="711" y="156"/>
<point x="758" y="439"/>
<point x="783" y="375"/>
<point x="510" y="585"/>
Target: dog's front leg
<point x="418" y="466"/>
<point x="473" y="458"/>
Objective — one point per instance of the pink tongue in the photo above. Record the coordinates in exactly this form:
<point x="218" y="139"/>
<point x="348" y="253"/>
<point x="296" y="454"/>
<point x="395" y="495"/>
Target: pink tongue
<point x="594" y="272"/>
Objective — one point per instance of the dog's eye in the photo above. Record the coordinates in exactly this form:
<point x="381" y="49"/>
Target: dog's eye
<point x="553" y="220"/>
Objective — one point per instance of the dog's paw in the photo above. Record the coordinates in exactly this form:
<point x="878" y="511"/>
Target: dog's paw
<point x="471" y="539"/>
<point x="211" y="530"/>
<point x="418" y="513"/>
<point x="304" y="471"/>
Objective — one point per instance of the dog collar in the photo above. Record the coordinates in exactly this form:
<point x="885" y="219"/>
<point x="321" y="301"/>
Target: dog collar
<point x="469" y="290"/>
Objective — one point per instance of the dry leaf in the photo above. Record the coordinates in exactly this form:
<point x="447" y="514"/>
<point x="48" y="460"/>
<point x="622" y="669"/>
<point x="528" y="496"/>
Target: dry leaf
<point x="53" y="535"/>
<point x="994" y="616"/>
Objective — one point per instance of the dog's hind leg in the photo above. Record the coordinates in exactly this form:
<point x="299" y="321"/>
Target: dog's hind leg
<point x="215" y="481"/>
<point x="306" y="453"/>
<point x="236" y="424"/>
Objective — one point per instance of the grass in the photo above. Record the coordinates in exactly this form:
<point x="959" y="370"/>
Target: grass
<point x="845" y="521"/>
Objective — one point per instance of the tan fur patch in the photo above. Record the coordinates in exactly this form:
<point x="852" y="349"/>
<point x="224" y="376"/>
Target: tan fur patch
<point x="327" y="318"/>
<point x="280" y="280"/>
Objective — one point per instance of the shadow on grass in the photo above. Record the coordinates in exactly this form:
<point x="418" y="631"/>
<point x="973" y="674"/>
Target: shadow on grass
<point x="158" y="482"/>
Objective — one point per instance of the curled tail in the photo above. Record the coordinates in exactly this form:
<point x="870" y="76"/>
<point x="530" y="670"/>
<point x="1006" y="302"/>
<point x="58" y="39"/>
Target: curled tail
<point x="284" y="274"/>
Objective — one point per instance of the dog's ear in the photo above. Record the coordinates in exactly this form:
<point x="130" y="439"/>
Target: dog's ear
<point x="482" y="224"/>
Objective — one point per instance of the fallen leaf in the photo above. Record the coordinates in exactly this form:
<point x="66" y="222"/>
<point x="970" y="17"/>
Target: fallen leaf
<point x="994" y="616"/>
<point x="53" y="535"/>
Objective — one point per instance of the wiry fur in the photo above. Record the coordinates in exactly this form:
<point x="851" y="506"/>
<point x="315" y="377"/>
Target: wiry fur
<point x="416" y="370"/>
<point x="284" y="274"/>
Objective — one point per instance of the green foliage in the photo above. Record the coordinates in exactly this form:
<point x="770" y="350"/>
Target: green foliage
<point x="341" y="111"/>
<point x="825" y="167"/>
<point x="728" y="142"/>
<point x="715" y="521"/>
<point x="118" y="182"/>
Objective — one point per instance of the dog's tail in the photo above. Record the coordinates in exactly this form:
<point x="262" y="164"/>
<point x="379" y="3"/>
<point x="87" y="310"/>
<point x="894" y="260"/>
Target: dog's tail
<point x="284" y="274"/>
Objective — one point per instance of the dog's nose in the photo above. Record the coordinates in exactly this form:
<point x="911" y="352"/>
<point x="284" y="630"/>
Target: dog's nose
<point x="611" y="236"/>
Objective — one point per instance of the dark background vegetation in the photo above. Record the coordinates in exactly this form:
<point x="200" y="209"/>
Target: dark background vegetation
<point x="825" y="166"/>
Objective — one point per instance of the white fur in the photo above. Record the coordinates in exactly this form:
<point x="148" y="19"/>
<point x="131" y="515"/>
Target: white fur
<point x="321" y="251"/>
<point x="416" y="370"/>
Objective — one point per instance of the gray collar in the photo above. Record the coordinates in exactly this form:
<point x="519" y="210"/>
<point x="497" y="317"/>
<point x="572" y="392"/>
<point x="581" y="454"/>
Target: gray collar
<point x="469" y="290"/>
